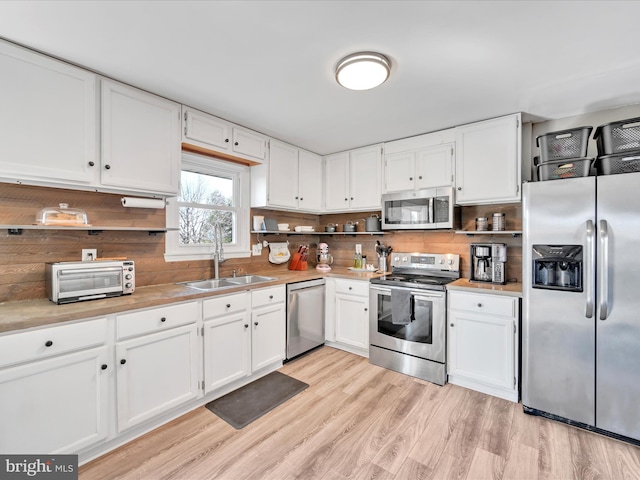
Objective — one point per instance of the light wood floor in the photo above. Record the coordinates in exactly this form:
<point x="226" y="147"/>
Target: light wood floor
<point x="360" y="421"/>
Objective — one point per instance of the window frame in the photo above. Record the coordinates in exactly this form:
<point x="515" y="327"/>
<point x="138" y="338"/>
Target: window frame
<point x="240" y="175"/>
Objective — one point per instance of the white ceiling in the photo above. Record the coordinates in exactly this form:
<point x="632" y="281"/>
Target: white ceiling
<point x="269" y="65"/>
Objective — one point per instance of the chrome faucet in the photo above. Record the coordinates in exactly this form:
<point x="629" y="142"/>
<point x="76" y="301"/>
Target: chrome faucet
<point x="218" y="250"/>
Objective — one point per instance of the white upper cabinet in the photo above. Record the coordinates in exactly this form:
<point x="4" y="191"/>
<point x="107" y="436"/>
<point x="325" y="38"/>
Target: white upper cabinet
<point x="291" y="179"/>
<point x="283" y="175"/>
<point x="310" y="181"/>
<point x="140" y="140"/>
<point x="488" y="161"/>
<point x="415" y="163"/>
<point x="353" y="180"/>
<point x="205" y="131"/>
<point x="48" y="119"/>
<point x="249" y="144"/>
<point x="220" y="136"/>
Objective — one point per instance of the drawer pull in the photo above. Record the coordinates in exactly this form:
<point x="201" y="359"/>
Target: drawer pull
<point x="123" y="361"/>
<point x="479" y="305"/>
<point x="228" y="305"/>
<point x="350" y="288"/>
<point x="270" y="297"/>
<point x="163" y="319"/>
<point x="103" y="366"/>
<point x="48" y="343"/>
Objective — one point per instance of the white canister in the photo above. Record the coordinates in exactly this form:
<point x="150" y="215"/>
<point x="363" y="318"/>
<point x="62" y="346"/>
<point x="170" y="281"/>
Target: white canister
<point x="258" y="222"/>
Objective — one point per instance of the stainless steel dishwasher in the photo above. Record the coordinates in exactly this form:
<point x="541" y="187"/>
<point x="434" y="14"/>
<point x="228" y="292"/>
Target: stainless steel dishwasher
<point x="305" y="316"/>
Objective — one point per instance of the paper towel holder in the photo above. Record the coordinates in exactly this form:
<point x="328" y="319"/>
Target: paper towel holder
<point x="132" y="202"/>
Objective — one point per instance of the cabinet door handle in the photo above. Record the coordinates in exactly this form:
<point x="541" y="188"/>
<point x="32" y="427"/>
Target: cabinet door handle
<point x="479" y="305"/>
<point x="346" y="199"/>
<point x="91" y="164"/>
<point x="350" y="288"/>
<point x="351" y="198"/>
<point x="246" y="325"/>
<point x="255" y="323"/>
<point x="123" y="361"/>
<point x="107" y="167"/>
<point x="410" y="178"/>
<point x="296" y="198"/>
<point x="228" y="305"/>
<point x="270" y="297"/>
<point x="366" y="309"/>
<point x="48" y="343"/>
<point x="301" y="198"/>
<point x="236" y="143"/>
<point x="226" y="140"/>
<point x="451" y="324"/>
<point x="163" y="319"/>
<point x="459" y="188"/>
<point x="420" y="177"/>
<point x="103" y="366"/>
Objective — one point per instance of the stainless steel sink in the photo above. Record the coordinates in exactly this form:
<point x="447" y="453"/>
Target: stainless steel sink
<point x="228" y="282"/>
<point x="248" y="279"/>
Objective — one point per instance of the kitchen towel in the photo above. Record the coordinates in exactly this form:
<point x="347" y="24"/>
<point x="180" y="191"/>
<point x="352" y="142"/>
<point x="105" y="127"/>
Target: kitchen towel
<point x="279" y="253"/>
<point x="400" y="307"/>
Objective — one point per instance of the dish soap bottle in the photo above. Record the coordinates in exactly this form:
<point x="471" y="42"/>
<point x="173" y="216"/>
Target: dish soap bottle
<point x="357" y="260"/>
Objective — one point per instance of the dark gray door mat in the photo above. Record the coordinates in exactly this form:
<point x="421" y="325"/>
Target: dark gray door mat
<point x="243" y="406"/>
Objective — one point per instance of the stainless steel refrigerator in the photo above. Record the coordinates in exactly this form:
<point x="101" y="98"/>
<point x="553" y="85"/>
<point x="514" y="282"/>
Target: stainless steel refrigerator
<point x="581" y="309"/>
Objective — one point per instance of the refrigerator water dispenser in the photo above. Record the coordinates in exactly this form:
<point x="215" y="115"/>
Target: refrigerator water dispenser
<point x="557" y="267"/>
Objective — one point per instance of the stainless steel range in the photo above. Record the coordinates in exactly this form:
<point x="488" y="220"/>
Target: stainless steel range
<point x="408" y="309"/>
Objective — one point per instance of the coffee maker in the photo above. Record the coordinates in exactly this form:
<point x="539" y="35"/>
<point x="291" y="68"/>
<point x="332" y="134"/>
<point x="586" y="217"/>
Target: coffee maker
<point x="487" y="262"/>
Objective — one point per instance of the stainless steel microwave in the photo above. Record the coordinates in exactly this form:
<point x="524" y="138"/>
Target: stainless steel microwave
<point x="420" y="210"/>
<point x="67" y="282"/>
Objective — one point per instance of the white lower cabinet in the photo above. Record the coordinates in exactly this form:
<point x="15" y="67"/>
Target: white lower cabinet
<point x="268" y="318"/>
<point x="227" y="340"/>
<point x="54" y="389"/>
<point x="243" y="333"/>
<point x="155" y="373"/>
<point x="350" y="311"/>
<point x="84" y="387"/>
<point x="482" y="346"/>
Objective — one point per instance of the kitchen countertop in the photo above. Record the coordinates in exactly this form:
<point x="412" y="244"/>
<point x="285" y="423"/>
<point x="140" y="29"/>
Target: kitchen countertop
<point x="464" y="284"/>
<point x="42" y="312"/>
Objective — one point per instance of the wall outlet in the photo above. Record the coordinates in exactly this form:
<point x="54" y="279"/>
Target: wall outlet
<point x="89" y="254"/>
<point x="257" y="250"/>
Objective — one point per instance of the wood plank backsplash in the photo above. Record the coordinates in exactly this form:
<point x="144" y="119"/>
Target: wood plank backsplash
<point x="22" y="257"/>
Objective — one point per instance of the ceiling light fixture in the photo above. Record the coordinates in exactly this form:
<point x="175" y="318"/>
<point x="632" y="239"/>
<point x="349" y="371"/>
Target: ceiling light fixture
<point x="363" y="70"/>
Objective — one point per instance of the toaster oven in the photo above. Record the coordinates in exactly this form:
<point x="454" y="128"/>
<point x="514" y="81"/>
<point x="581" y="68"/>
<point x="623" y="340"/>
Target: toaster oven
<point x="67" y="282"/>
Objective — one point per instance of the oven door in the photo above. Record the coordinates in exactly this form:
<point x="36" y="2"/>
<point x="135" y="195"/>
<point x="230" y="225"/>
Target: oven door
<point x="423" y="336"/>
<point x="84" y="282"/>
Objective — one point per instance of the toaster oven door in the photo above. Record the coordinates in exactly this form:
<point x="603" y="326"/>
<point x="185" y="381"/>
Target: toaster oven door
<point x="83" y="282"/>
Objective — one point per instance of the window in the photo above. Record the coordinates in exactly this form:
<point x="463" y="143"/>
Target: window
<point x="211" y="191"/>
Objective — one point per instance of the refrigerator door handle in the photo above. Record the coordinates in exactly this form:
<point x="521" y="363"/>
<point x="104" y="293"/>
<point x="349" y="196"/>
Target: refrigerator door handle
<point x="591" y="258"/>
<point x="603" y="274"/>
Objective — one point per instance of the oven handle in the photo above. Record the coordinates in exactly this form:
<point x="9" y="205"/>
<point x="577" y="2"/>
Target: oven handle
<point x="416" y="293"/>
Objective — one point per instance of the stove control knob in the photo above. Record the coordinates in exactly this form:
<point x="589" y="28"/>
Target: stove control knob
<point x="405" y="259"/>
<point x="441" y="260"/>
<point x="450" y="262"/>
